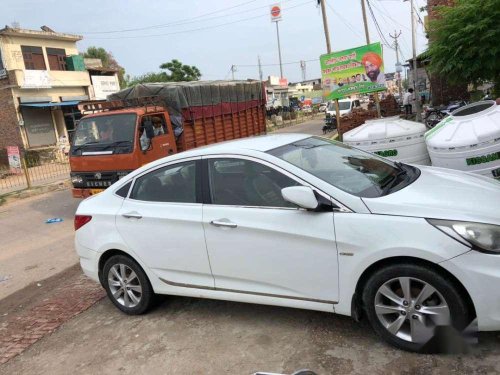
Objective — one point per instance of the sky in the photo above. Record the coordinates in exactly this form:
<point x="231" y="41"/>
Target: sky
<point x="213" y="35"/>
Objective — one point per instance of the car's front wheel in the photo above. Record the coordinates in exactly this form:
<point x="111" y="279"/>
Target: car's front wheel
<point x="408" y="305"/>
<point x="127" y="285"/>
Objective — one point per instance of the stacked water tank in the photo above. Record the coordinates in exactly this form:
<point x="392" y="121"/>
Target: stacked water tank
<point x="468" y="140"/>
<point x="391" y="137"/>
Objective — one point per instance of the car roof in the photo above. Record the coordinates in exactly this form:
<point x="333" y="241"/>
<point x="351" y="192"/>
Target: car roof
<point x="261" y="143"/>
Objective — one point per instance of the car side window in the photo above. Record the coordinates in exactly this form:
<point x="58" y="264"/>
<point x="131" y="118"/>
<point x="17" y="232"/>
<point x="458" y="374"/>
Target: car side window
<point x="239" y="182"/>
<point x="174" y="183"/>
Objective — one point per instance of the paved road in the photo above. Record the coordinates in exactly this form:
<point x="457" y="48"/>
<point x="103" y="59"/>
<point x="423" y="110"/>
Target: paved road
<point x="30" y="249"/>
<point x="313" y="127"/>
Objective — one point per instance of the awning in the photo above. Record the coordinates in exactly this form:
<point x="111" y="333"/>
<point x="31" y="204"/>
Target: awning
<point x="46" y="105"/>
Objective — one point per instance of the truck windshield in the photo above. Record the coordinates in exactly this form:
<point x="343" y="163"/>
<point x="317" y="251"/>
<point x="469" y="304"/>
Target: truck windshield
<point x="116" y="129"/>
<point x="351" y="170"/>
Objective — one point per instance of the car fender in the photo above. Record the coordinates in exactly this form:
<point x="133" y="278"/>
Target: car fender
<point x="387" y="237"/>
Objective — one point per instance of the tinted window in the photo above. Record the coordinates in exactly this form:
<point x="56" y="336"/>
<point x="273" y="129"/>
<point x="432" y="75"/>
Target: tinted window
<point x="175" y="183"/>
<point x="247" y="183"/>
<point x="123" y="191"/>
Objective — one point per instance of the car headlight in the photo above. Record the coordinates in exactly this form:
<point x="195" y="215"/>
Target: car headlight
<point x="77" y="179"/>
<point x="482" y="237"/>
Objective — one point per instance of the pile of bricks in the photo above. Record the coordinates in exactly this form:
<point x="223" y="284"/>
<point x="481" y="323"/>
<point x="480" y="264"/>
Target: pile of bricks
<point x="388" y="106"/>
<point x="357" y="117"/>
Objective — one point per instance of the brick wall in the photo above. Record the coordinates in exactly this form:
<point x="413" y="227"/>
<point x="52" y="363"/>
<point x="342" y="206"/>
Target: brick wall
<point x="9" y="128"/>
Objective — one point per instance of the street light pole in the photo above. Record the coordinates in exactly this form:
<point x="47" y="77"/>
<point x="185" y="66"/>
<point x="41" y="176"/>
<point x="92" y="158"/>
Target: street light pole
<point x="279" y="49"/>
<point x="415" y="75"/>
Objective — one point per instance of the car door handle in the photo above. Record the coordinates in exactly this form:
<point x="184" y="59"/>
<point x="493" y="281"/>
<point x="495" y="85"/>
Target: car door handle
<point x="132" y="215"/>
<point x="219" y="223"/>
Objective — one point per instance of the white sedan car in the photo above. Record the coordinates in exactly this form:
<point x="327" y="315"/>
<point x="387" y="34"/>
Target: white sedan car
<point x="300" y="221"/>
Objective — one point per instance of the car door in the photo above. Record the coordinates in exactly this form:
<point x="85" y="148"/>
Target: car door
<point x="260" y="244"/>
<point x="160" y="221"/>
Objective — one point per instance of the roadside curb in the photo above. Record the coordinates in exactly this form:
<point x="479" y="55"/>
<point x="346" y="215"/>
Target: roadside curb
<point x="36" y="190"/>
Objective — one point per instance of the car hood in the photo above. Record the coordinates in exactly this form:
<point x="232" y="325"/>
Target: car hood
<point x="443" y="194"/>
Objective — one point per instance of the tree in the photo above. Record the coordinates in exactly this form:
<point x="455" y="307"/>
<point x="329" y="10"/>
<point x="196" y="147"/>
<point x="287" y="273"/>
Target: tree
<point x="178" y="72"/>
<point x="464" y="42"/>
<point x="108" y="61"/>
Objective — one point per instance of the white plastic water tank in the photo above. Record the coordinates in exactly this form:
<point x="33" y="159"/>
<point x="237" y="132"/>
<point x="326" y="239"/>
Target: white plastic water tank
<point x="468" y="140"/>
<point x="391" y="137"/>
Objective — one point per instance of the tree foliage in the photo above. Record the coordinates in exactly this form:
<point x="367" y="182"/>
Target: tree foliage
<point x="108" y="61"/>
<point x="464" y="42"/>
<point x="177" y="72"/>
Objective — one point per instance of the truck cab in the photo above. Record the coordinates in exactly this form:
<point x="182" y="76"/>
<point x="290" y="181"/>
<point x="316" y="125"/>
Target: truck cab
<point x="107" y="145"/>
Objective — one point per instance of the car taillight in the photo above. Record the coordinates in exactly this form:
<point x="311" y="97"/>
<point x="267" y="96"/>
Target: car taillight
<point x="81" y="220"/>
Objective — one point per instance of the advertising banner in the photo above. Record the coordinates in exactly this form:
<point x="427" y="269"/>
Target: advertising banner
<point x="353" y="71"/>
<point x="14" y="159"/>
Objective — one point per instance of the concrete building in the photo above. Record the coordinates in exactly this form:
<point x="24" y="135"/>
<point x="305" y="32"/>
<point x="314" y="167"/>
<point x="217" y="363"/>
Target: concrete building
<point x="42" y="79"/>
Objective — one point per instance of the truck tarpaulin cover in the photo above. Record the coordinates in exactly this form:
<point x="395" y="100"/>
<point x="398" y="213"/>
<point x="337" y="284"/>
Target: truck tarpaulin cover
<point x="193" y="100"/>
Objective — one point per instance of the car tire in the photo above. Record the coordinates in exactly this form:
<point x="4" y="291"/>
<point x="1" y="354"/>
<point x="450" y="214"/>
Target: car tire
<point x="424" y="324"/>
<point x="127" y="285"/>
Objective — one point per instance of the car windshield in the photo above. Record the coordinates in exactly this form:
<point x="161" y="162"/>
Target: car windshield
<point x="349" y="169"/>
<point x="102" y="130"/>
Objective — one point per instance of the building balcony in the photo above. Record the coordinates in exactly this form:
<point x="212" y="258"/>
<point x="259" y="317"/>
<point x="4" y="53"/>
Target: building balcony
<point x="39" y="79"/>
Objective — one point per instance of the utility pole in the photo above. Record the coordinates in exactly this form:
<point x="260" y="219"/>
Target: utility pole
<point x="367" y="35"/>
<point x="303" y="68"/>
<point x="325" y="26"/>
<point x="329" y="50"/>
<point x="399" y="68"/>
<point x="233" y="69"/>
<point x="260" y="68"/>
<point x="415" y="75"/>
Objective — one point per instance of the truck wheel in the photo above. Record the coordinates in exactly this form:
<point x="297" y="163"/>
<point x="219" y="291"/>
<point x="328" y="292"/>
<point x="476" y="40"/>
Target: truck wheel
<point x="409" y="305"/>
<point x="127" y="285"/>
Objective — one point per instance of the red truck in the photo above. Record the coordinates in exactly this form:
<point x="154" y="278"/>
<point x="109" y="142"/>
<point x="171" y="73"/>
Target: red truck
<point x="147" y="122"/>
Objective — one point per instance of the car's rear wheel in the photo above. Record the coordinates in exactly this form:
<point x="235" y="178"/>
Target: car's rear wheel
<point x="407" y="305"/>
<point x="127" y="285"/>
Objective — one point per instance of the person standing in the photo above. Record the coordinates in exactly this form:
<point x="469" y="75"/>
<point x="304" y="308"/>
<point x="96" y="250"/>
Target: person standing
<point x="407" y="102"/>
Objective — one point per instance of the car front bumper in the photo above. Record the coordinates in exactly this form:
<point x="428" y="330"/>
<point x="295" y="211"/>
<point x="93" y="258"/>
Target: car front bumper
<point x="480" y="275"/>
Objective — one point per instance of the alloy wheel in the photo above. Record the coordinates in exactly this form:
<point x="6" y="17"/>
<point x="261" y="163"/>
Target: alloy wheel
<point x="411" y="309"/>
<point x="124" y="285"/>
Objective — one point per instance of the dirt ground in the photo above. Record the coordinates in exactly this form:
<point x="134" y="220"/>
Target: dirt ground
<point x="197" y="336"/>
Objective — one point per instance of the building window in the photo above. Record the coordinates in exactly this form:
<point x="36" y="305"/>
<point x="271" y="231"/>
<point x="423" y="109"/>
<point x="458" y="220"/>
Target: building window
<point x="33" y="58"/>
<point x="57" y="58"/>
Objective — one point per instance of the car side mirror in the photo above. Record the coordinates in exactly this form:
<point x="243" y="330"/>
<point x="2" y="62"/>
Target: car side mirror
<point x="302" y="196"/>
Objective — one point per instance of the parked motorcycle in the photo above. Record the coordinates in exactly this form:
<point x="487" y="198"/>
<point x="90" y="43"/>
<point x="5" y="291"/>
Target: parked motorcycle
<point x="330" y="123"/>
<point x="434" y="115"/>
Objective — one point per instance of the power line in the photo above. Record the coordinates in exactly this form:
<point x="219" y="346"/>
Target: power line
<point x="197" y="29"/>
<point x="175" y="23"/>
<point x="349" y="25"/>
<point x="377" y="26"/>
<point x="285" y="63"/>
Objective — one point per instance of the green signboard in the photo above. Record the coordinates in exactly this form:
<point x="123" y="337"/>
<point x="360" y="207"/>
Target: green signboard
<point x="353" y="71"/>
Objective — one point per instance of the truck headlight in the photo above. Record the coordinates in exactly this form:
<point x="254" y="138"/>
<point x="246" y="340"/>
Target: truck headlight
<point x="76" y="180"/>
<point x="481" y="237"/>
